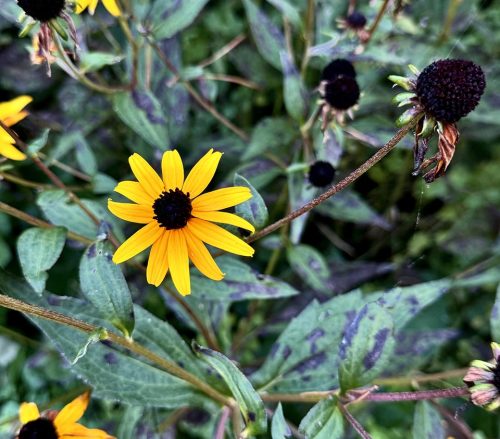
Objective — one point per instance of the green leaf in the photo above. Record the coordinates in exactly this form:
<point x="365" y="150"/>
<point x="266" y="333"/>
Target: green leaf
<point x="93" y="61"/>
<point x="427" y="423"/>
<point x="268" y="37"/>
<point x="37" y="144"/>
<point x="113" y="374"/>
<point x="103" y="184"/>
<point x="305" y="356"/>
<point x="293" y="89"/>
<point x="240" y="283"/>
<point x="288" y="10"/>
<point x="349" y="206"/>
<point x="323" y="421"/>
<point x="270" y="134"/>
<point x="309" y="265"/>
<point x="142" y="112"/>
<point x="38" y="250"/>
<point x="60" y="211"/>
<point x="366" y="347"/>
<point x="103" y="283"/>
<point x="249" y="402"/>
<point x="495" y="317"/>
<point x="279" y="427"/>
<point x="254" y="210"/>
<point x="84" y="155"/>
<point x="172" y="16"/>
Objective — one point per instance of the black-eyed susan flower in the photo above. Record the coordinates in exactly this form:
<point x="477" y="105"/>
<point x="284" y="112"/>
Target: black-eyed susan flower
<point x="12" y="112"/>
<point x="321" y="173"/>
<point x="179" y="219"/>
<point x="443" y="93"/>
<point x="110" y="5"/>
<point x="57" y="425"/>
<point x="483" y="380"/>
<point x="339" y="91"/>
<point x="47" y="13"/>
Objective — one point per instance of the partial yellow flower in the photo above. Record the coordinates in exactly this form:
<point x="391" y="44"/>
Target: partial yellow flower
<point x="12" y="112"/>
<point x="110" y="5"/>
<point x="178" y="218"/>
<point x="63" y="426"/>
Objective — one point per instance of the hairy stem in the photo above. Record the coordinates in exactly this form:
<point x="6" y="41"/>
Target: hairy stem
<point x="351" y="178"/>
<point x="162" y="363"/>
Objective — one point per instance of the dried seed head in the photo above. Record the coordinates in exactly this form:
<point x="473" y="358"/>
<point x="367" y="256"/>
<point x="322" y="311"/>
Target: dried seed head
<point x="342" y="93"/>
<point x="450" y="89"/>
<point x="356" y="20"/>
<point x="338" y="67"/>
<point x="321" y="174"/>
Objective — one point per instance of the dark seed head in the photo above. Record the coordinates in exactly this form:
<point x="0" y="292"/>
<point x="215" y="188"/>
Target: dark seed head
<point x="172" y="209"/>
<point x="338" y="67"/>
<point x="40" y="428"/>
<point x="356" y="20"/>
<point x="321" y="174"/>
<point x="496" y="377"/>
<point x="342" y="93"/>
<point x="42" y="10"/>
<point x="450" y="89"/>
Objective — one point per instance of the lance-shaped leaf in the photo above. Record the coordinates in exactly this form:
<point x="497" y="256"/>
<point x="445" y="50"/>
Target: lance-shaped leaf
<point x="310" y="265"/>
<point x="249" y="401"/>
<point x="171" y="16"/>
<point x="38" y="251"/>
<point x="294" y="91"/>
<point x="268" y="37"/>
<point x="366" y="347"/>
<point x="279" y="427"/>
<point x="142" y="112"/>
<point x="427" y="423"/>
<point x="323" y="421"/>
<point x="253" y="210"/>
<point x="103" y="283"/>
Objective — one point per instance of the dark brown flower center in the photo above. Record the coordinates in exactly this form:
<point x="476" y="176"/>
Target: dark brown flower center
<point x="40" y="428"/>
<point x="342" y="93"/>
<point x="338" y="67"/>
<point x="321" y="174"/>
<point x="356" y="20"/>
<point x="172" y="209"/>
<point x="42" y="10"/>
<point x="496" y="376"/>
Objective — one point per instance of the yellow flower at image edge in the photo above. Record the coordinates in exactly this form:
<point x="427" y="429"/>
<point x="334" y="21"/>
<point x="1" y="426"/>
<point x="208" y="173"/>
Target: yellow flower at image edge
<point x="63" y="426"/>
<point x="179" y="218"/>
<point x="110" y="5"/>
<point x="12" y="112"/>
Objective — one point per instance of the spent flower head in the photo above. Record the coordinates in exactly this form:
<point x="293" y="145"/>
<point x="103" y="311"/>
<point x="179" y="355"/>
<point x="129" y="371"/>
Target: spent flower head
<point x="483" y="380"/>
<point x="46" y="13"/>
<point x="321" y="173"/>
<point x="57" y="425"/>
<point x="179" y="219"/>
<point x="440" y="95"/>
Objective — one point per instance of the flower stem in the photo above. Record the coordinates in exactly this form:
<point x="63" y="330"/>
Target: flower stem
<point x="351" y="178"/>
<point x="354" y="422"/>
<point x="377" y="21"/>
<point x="308" y="34"/>
<point x="132" y="346"/>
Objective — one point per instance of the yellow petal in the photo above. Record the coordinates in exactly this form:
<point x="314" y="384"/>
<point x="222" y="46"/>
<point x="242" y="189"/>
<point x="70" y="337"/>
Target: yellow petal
<point x="146" y="175"/>
<point x="92" y="6"/>
<point x="225" y="218"/>
<point x="221" y="198"/>
<point x="134" y="191"/>
<point x="135" y="213"/>
<point x="201" y="257"/>
<point x="72" y="412"/>
<point x="11" y="152"/>
<point x="201" y="174"/>
<point x="111" y="7"/>
<point x="178" y="261"/>
<point x="14" y="118"/>
<point x="172" y="170"/>
<point x="78" y="431"/>
<point x="218" y="237"/>
<point x="138" y="242"/>
<point x="81" y="5"/>
<point x="28" y="411"/>
<point x="14" y="106"/>
<point x="158" y="261"/>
